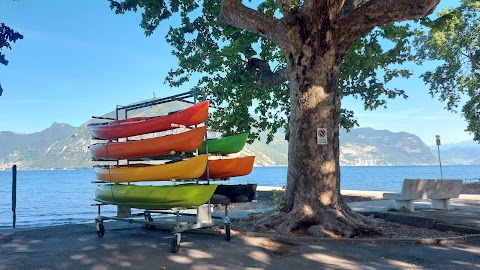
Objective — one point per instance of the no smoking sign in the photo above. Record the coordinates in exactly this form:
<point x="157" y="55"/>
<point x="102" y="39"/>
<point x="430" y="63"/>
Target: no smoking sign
<point x="321" y="136"/>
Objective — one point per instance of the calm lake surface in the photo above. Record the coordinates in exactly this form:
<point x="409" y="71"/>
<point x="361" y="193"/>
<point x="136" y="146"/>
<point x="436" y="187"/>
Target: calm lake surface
<point x="65" y="196"/>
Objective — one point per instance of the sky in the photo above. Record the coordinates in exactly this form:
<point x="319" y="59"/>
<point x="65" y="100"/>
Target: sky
<point x="79" y="59"/>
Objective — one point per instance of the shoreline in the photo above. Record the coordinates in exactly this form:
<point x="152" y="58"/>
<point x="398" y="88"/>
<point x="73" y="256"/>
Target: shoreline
<point x="4" y="168"/>
<point x="264" y="200"/>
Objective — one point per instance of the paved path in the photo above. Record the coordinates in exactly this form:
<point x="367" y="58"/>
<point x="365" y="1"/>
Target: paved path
<point x="130" y="246"/>
<point x="127" y="246"/>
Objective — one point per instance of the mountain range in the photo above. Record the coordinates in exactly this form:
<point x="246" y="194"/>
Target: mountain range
<point x="62" y="146"/>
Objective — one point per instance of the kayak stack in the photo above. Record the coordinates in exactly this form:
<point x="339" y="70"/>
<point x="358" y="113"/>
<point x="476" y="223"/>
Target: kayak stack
<point x="167" y="148"/>
<point x="139" y="142"/>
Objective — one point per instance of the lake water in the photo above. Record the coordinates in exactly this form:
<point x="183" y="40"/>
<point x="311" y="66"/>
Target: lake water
<point x="65" y="196"/>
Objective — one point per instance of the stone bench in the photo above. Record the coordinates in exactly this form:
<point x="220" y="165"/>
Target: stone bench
<point x="439" y="191"/>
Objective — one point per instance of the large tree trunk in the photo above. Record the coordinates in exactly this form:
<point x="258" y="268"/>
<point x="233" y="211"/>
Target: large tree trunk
<point x="314" y="37"/>
<point x="313" y="199"/>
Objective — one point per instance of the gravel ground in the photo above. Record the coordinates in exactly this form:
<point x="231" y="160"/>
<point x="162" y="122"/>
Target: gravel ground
<point x="389" y="229"/>
<point x="471" y="188"/>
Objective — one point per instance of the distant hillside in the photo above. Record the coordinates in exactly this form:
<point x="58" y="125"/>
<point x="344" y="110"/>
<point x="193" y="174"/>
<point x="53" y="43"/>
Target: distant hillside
<point x="367" y="146"/>
<point x="10" y="140"/>
<point x="362" y="146"/>
<point x="63" y="146"/>
<point x="19" y="148"/>
<point x="464" y="153"/>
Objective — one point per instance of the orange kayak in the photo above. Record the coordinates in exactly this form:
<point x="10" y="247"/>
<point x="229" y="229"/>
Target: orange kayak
<point x="194" y="115"/>
<point x="229" y="167"/>
<point x="153" y="147"/>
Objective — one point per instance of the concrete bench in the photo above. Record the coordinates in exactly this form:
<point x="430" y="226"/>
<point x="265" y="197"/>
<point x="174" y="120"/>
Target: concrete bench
<point x="439" y="191"/>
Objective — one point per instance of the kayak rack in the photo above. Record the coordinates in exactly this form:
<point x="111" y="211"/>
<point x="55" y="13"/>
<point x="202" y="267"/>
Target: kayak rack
<point x="203" y="213"/>
<point x="179" y="97"/>
<point x="204" y="219"/>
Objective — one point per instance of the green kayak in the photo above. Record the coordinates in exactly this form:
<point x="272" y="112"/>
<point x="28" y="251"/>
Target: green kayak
<point x="155" y="197"/>
<point x="225" y="145"/>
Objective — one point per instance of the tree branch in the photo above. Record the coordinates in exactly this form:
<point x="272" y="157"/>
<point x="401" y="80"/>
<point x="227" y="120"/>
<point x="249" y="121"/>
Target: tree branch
<point x="379" y="12"/>
<point x="234" y="13"/>
<point x="267" y="77"/>
<point x="349" y="6"/>
<point x="333" y="7"/>
<point x="287" y="6"/>
<point x="474" y="58"/>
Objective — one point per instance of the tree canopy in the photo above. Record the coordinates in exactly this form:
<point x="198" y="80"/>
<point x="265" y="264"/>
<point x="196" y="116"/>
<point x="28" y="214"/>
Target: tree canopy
<point x="244" y="70"/>
<point x="452" y="41"/>
<point x="292" y="62"/>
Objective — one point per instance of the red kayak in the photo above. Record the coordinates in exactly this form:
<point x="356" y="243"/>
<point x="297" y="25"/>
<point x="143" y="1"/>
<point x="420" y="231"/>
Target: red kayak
<point x="194" y="115"/>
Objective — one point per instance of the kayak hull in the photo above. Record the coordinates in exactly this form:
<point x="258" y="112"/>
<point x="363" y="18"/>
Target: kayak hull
<point x="193" y="115"/>
<point x="234" y="193"/>
<point x="229" y="167"/>
<point x="152" y="147"/>
<point x="185" y="169"/>
<point x="154" y="197"/>
<point x="225" y="145"/>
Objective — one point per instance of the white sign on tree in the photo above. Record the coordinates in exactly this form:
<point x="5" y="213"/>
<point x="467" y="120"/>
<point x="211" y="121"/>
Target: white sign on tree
<point x="321" y="136"/>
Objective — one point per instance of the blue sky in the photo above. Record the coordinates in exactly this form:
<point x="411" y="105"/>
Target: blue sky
<point x="78" y="59"/>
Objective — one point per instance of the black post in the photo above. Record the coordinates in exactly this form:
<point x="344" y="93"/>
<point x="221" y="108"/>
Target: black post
<point x="437" y="138"/>
<point x="14" y="194"/>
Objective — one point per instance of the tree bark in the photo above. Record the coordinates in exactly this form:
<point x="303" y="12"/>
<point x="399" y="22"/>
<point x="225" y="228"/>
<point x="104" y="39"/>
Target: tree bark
<point x="267" y="76"/>
<point x="313" y="199"/>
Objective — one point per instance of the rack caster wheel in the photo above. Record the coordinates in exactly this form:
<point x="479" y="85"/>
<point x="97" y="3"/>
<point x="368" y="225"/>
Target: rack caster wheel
<point x="149" y="219"/>
<point x="100" y="229"/>
<point x="227" y="232"/>
<point x="176" y="239"/>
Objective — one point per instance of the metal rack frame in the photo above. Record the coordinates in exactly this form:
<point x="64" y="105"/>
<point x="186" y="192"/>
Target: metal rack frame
<point x="203" y="212"/>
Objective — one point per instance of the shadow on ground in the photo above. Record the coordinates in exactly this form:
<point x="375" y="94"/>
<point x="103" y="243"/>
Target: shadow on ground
<point x="129" y="246"/>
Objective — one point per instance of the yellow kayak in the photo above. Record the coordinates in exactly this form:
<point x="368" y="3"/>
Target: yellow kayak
<point x="184" y="169"/>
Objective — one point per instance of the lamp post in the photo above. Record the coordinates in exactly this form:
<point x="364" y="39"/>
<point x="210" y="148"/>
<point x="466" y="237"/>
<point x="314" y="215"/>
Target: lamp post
<point x="437" y="138"/>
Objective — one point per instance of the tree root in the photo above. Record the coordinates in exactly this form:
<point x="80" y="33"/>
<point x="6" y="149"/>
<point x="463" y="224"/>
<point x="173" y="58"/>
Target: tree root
<point x="332" y="223"/>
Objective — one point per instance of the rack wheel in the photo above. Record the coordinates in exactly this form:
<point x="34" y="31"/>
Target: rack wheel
<point x="177" y="237"/>
<point x="100" y="229"/>
<point x="227" y="231"/>
<point x="149" y="219"/>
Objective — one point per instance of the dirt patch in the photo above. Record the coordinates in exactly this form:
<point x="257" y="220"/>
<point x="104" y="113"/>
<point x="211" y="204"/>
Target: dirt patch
<point x="278" y="249"/>
<point x="256" y="222"/>
<point x="471" y="188"/>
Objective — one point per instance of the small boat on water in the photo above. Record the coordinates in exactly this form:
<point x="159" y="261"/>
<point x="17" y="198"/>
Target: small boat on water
<point x="152" y="147"/>
<point x="234" y="193"/>
<point x="155" y="197"/>
<point x="185" y="169"/>
<point x="229" y="167"/>
<point x="225" y="145"/>
<point x="193" y="115"/>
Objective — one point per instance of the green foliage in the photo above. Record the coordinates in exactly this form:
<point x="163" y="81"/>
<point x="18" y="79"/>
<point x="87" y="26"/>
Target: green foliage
<point x="401" y="209"/>
<point x="7" y="35"/>
<point x="453" y="43"/>
<point x="279" y="198"/>
<point x="366" y="60"/>
<point x="218" y="55"/>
